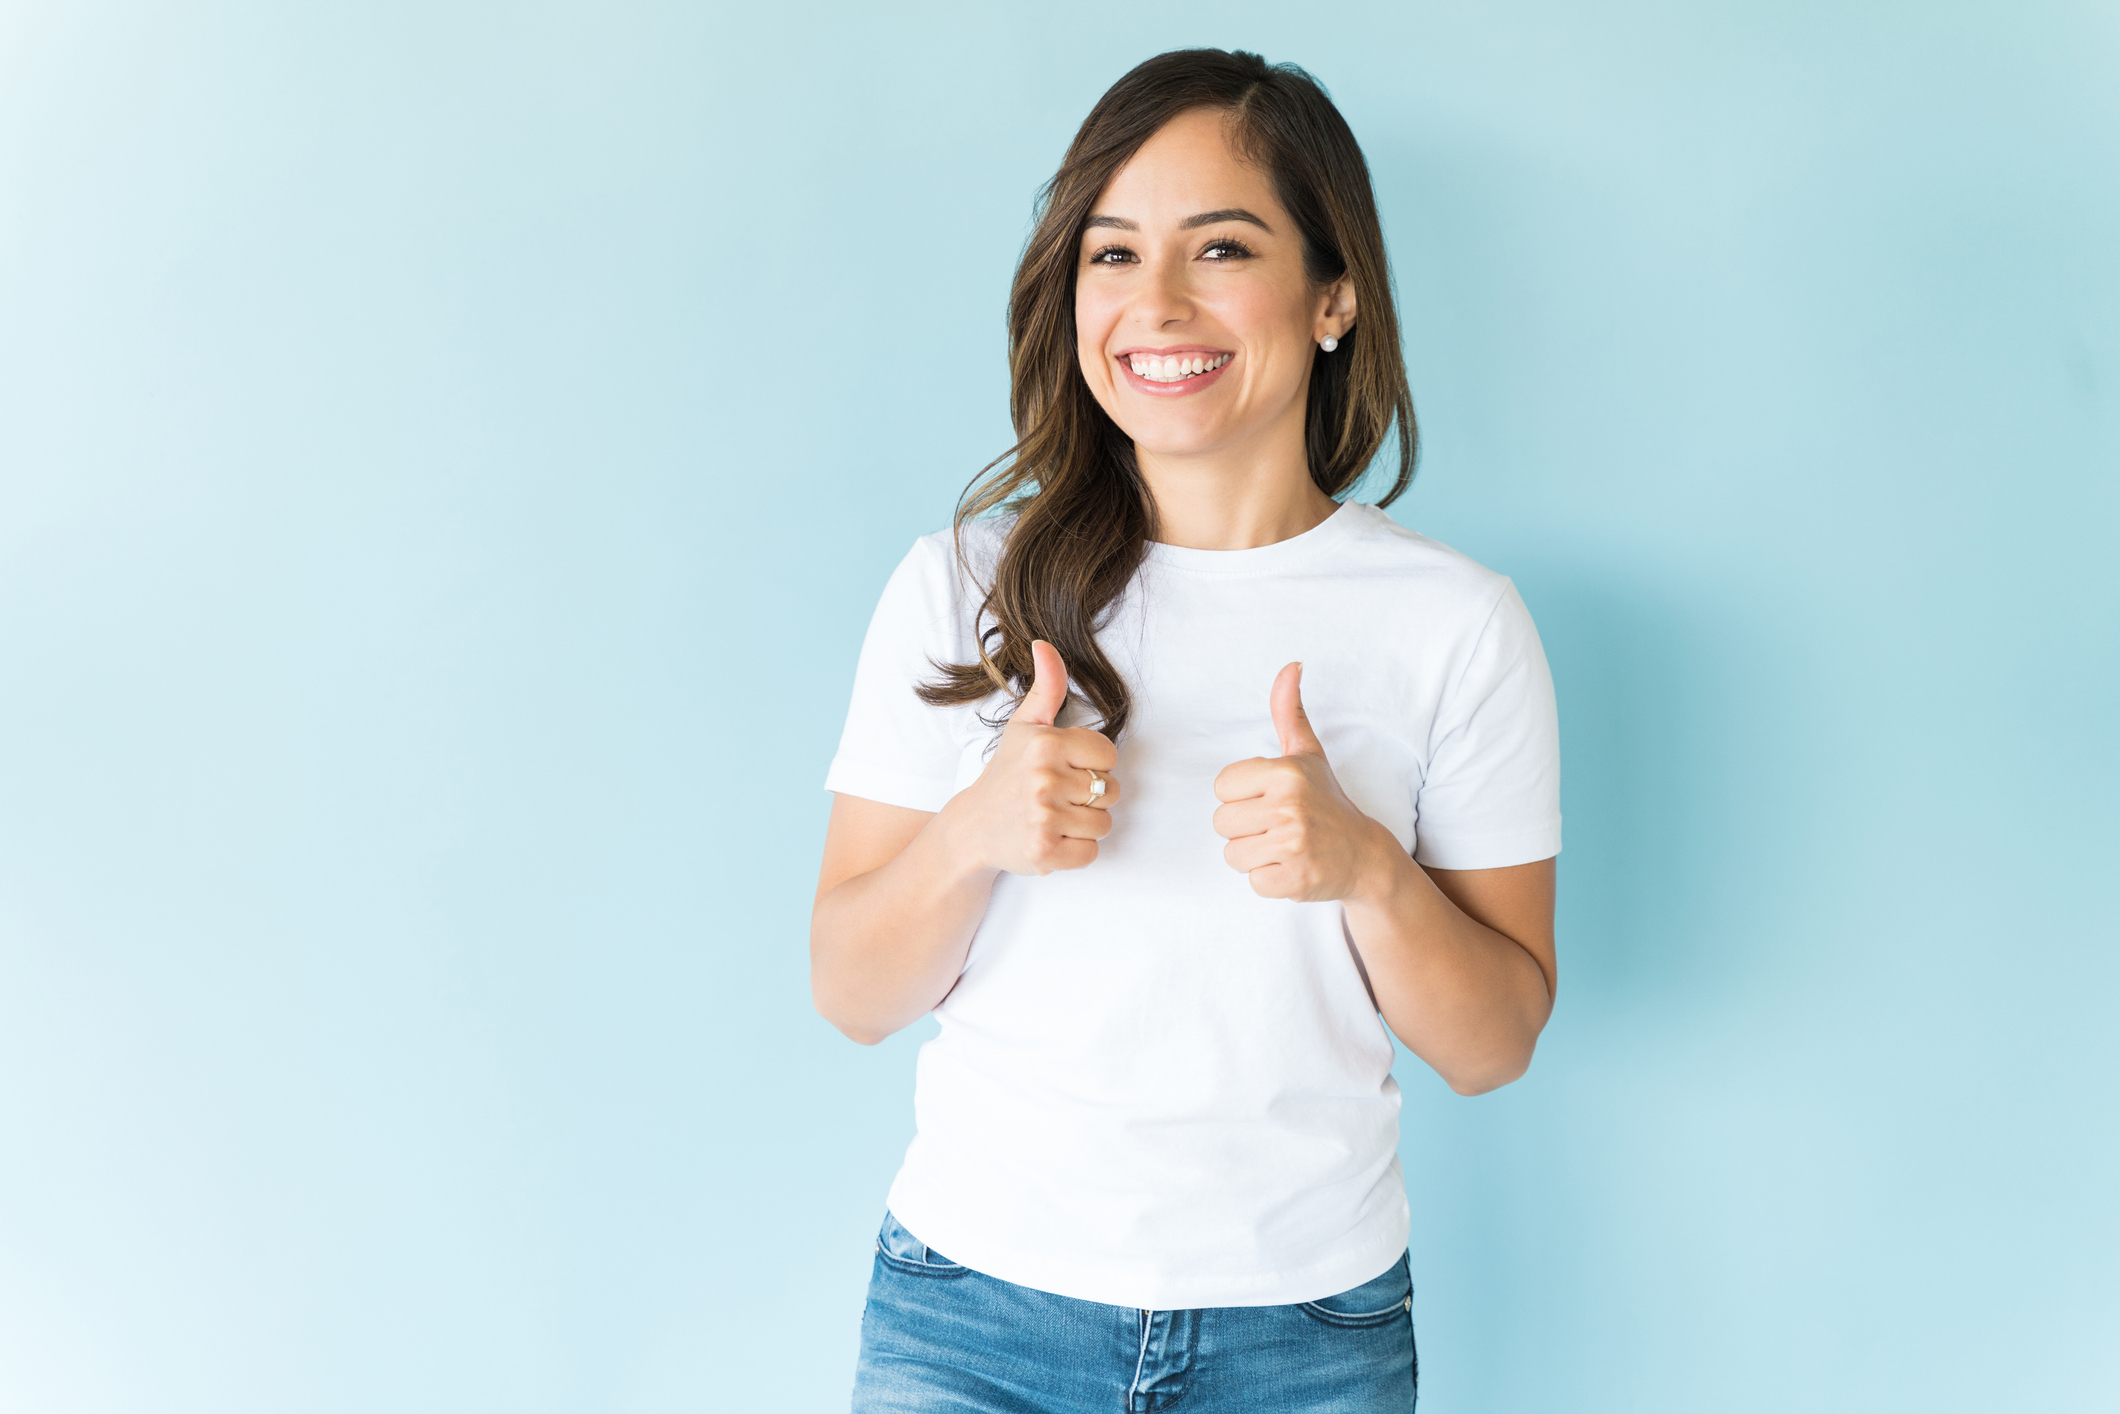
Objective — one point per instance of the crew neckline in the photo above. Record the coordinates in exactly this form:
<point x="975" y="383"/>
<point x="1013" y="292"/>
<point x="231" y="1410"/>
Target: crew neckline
<point x="1280" y="555"/>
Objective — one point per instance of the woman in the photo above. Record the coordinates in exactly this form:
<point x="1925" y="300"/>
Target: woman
<point x="1157" y="1131"/>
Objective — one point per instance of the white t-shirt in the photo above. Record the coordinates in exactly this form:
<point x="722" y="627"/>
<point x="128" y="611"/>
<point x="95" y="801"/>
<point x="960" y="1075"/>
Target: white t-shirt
<point x="1152" y="1087"/>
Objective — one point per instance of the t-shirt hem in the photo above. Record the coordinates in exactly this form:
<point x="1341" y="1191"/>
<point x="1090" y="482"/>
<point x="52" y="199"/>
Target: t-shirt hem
<point x="882" y="784"/>
<point x="1362" y="1256"/>
<point x="1496" y="851"/>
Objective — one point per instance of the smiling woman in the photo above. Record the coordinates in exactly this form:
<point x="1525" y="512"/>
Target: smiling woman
<point x="1158" y="1129"/>
<point x="1212" y="179"/>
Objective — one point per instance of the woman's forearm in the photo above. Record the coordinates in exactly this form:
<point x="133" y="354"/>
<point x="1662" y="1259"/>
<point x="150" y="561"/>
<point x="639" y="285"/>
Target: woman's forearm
<point x="1463" y="997"/>
<point x="887" y="945"/>
<point x="895" y="912"/>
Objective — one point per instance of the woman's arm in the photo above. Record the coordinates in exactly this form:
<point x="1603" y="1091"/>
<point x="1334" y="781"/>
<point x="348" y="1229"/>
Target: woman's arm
<point x="902" y="891"/>
<point x="1461" y="962"/>
<point x="897" y="902"/>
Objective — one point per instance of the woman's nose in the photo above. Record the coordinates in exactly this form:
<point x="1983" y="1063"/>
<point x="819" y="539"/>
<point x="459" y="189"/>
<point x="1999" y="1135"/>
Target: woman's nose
<point x="1167" y="299"/>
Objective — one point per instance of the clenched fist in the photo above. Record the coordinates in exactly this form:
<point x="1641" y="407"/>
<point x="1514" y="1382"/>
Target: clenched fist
<point x="1288" y="823"/>
<point x="1032" y="811"/>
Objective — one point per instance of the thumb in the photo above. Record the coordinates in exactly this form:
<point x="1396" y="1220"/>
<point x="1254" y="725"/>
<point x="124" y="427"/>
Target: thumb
<point x="1289" y="718"/>
<point x="1042" y="704"/>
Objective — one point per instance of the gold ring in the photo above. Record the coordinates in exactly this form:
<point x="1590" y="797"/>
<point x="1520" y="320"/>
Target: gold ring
<point x="1096" y="787"/>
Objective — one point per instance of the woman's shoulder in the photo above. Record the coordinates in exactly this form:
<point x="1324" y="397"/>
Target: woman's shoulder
<point x="944" y="577"/>
<point x="1439" y="574"/>
<point x="961" y="555"/>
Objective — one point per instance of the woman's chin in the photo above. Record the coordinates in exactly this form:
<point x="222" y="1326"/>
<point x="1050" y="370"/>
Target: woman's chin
<point x="1155" y="437"/>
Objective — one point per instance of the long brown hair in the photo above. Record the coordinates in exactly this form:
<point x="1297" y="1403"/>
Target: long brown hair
<point x="1084" y="516"/>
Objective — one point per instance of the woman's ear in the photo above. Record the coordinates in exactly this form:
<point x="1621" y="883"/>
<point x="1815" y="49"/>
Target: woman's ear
<point x="1338" y="315"/>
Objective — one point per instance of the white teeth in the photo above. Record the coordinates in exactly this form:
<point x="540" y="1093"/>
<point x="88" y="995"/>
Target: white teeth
<point x="1160" y="369"/>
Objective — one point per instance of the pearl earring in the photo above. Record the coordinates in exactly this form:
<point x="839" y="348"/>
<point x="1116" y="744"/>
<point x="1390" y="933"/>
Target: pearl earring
<point x="1328" y="343"/>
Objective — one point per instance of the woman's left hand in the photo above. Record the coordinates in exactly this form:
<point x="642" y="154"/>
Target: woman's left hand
<point x="1288" y="823"/>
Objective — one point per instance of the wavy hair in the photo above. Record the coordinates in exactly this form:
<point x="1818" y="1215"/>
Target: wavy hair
<point x="1084" y="516"/>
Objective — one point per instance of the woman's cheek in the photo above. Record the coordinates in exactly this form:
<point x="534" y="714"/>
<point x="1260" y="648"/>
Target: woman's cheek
<point x="1092" y="332"/>
<point x="1261" y="318"/>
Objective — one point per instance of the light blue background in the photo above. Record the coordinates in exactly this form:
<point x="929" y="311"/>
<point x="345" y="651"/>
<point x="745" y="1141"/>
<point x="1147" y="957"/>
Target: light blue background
<point x="448" y="455"/>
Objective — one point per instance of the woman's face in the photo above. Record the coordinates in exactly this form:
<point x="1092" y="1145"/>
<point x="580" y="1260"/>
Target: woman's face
<point x="1194" y="320"/>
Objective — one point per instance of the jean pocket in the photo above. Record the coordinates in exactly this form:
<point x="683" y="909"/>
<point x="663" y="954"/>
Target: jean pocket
<point x="1373" y="1303"/>
<point x="901" y="1251"/>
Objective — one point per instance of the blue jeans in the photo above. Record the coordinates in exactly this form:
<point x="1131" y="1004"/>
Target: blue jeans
<point x="938" y="1337"/>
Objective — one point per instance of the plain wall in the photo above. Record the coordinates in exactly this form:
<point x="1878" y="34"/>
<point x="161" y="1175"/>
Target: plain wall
<point x="448" y="456"/>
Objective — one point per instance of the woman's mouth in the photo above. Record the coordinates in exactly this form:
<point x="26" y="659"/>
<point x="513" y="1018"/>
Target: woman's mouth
<point x="1174" y="371"/>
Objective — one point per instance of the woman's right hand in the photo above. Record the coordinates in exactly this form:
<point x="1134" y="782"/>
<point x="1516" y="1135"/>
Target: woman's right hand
<point x="901" y="892"/>
<point x="1026" y="812"/>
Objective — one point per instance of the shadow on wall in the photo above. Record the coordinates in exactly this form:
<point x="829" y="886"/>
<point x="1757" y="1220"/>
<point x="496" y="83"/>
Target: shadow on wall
<point x="1536" y="316"/>
<point x="1659" y="759"/>
<point x="1523" y="1196"/>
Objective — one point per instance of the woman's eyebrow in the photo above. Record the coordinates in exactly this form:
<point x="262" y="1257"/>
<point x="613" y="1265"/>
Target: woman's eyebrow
<point x="1190" y="223"/>
<point x="1227" y="213"/>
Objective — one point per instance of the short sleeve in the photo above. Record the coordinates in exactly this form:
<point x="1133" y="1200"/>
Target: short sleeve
<point x="1491" y="796"/>
<point x="897" y="749"/>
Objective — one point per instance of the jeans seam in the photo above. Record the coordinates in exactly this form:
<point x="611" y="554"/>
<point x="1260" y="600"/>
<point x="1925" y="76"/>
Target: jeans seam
<point x="923" y="1269"/>
<point x="1347" y="1322"/>
<point x="1141" y="1361"/>
<point x="1399" y="1305"/>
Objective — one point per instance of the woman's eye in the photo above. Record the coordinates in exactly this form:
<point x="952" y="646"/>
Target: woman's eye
<point x="1226" y="250"/>
<point x="1112" y="255"/>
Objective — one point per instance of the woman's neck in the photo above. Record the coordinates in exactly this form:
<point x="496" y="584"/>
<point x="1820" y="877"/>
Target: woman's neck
<point x="1224" y="503"/>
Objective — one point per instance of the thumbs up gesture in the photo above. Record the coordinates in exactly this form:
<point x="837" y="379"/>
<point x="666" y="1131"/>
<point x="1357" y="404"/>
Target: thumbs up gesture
<point x="1288" y="823"/>
<point x="1037" y="807"/>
